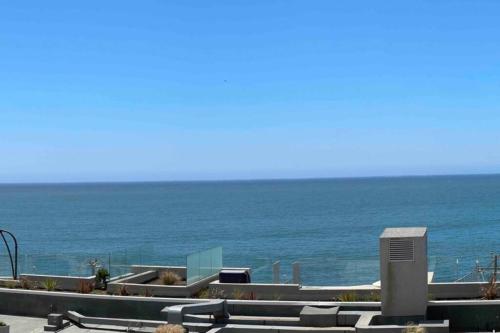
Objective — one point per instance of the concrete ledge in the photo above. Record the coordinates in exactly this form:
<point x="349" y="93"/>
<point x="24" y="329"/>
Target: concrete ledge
<point x="319" y="317"/>
<point x="457" y="290"/>
<point x="138" y="278"/>
<point x="84" y="320"/>
<point x="373" y="322"/>
<point x="130" y="323"/>
<point x="179" y="270"/>
<point x="39" y="303"/>
<point x="231" y="328"/>
<point x="135" y="286"/>
<point x="69" y="283"/>
<point x="291" y="292"/>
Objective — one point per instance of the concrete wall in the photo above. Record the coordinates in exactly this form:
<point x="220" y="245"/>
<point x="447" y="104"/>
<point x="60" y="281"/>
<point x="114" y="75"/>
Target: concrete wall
<point x="478" y="315"/>
<point x="294" y="292"/>
<point x="40" y="303"/>
<point x="134" y="286"/>
<point x="291" y="292"/>
<point x="457" y="290"/>
<point x="467" y="315"/>
<point x="179" y="270"/>
<point x="69" y="283"/>
<point x="139" y="277"/>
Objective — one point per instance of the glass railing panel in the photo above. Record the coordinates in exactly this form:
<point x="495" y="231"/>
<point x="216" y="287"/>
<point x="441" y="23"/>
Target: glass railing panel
<point x="193" y="268"/>
<point x="203" y="264"/>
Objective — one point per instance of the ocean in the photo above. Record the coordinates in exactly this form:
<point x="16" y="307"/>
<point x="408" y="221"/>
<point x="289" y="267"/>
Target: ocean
<point x="330" y="226"/>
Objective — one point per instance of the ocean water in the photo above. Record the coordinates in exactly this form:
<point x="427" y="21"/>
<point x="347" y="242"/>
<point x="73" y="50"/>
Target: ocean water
<point x="330" y="226"/>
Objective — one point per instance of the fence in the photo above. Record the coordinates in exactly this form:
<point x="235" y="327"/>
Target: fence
<point x="334" y="270"/>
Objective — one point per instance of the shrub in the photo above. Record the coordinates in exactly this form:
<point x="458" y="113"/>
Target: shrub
<point x="26" y="283"/>
<point x="216" y="293"/>
<point x="203" y="293"/>
<point x="170" y="278"/>
<point x="373" y="297"/>
<point x="85" y="287"/>
<point x="348" y="297"/>
<point x="490" y="290"/>
<point x="49" y="284"/>
<point x="241" y="295"/>
<point x="10" y="284"/>
<point x="2" y="323"/>
<point x="170" y="329"/>
<point x="102" y="275"/>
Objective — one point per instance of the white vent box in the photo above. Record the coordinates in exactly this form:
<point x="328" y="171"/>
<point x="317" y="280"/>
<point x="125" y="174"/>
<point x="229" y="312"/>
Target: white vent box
<point x="403" y="272"/>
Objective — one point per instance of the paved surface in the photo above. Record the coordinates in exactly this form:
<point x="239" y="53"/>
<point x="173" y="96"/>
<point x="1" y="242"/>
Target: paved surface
<point x="24" y="324"/>
<point x="19" y="324"/>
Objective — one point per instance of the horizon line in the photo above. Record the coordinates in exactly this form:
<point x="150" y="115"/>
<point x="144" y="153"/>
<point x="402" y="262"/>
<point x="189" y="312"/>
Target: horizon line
<point x="201" y="180"/>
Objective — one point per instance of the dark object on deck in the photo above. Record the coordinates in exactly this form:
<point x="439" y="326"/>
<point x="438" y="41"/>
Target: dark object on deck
<point x="234" y="276"/>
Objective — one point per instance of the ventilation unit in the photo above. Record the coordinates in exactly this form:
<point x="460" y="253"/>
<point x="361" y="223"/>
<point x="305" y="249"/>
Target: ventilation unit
<point x="403" y="271"/>
<point x="401" y="249"/>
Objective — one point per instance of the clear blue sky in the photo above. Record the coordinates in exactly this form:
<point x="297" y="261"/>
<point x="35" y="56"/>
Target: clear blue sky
<point x="162" y="90"/>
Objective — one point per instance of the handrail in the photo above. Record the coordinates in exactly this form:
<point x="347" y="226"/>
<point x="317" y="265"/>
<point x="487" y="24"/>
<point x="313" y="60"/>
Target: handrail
<point x="13" y="263"/>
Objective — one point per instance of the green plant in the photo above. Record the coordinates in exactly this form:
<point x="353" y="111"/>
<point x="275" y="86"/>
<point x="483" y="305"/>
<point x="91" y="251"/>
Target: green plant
<point x="49" y="284"/>
<point x="348" y="297"/>
<point x="170" y="278"/>
<point x="102" y="275"/>
<point x="85" y="287"/>
<point x="170" y="329"/>
<point x="2" y="323"/>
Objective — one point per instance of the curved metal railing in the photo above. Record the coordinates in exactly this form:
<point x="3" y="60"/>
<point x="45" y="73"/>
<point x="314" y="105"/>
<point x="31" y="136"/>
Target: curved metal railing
<point x="13" y="261"/>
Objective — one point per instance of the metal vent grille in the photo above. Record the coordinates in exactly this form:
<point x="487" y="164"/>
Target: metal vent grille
<point x="401" y="249"/>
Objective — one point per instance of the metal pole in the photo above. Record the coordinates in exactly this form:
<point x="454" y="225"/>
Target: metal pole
<point x="13" y="263"/>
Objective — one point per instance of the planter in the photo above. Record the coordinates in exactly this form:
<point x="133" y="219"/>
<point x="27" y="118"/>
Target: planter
<point x="4" y="329"/>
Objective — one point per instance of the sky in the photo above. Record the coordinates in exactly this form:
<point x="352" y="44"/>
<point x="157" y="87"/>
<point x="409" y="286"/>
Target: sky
<point x="189" y="90"/>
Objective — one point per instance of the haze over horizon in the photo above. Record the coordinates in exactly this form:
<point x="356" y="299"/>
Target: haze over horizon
<point x="188" y="90"/>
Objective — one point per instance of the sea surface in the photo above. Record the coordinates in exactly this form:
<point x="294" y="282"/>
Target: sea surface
<point x="330" y="226"/>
